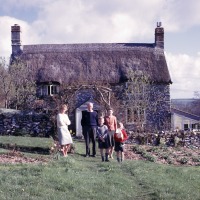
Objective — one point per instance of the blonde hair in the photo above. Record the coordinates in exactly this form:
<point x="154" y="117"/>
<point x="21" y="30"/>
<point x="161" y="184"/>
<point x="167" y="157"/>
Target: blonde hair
<point x="63" y="106"/>
<point x="120" y="124"/>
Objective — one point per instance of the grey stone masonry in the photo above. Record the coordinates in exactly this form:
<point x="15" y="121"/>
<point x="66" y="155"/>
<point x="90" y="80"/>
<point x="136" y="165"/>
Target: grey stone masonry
<point x="16" y="39"/>
<point x="13" y="122"/>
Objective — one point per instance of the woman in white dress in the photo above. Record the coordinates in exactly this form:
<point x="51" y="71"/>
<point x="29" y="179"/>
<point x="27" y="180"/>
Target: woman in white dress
<point x="64" y="135"/>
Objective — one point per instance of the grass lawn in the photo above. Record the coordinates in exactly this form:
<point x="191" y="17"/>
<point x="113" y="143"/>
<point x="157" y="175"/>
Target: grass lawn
<point x="77" y="177"/>
<point x="26" y="144"/>
<point x="26" y="141"/>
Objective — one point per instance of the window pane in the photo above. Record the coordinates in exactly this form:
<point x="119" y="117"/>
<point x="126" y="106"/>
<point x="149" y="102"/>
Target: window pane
<point x="49" y="90"/>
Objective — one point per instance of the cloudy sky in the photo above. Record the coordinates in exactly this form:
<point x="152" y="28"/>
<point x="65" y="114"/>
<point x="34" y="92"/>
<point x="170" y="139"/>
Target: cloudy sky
<point x="93" y="21"/>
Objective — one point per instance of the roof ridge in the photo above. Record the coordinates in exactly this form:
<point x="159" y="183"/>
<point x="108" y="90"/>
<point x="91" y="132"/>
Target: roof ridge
<point x="186" y="112"/>
<point x="36" y="48"/>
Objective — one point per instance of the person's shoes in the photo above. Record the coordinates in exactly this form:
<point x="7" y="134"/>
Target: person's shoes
<point x="93" y="155"/>
<point x="102" y="158"/>
<point x="107" y="160"/>
<point x="87" y="156"/>
<point x="110" y="156"/>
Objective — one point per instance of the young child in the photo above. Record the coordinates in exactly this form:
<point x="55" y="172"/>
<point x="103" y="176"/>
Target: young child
<point x="102" y="134"/>
<point x="120" y="137"/>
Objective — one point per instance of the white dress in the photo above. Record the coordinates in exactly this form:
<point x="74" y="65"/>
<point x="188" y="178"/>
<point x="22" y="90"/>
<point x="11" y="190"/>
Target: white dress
<point x="64" y="135"/>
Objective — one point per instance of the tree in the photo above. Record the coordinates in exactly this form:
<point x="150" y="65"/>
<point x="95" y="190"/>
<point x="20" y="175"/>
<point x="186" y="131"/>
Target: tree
<point x="7" y="87"/>
<point x="24" y="85"/>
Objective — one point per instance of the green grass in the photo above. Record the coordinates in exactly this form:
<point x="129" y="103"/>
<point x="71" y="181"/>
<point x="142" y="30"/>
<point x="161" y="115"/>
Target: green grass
<point x="2" y="150"/>
<point x="77" y="177"/>
<point x="28" y="145"/>
<point x="26" y="141"/>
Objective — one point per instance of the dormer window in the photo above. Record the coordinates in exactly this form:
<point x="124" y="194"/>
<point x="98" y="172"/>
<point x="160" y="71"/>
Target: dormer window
<point x="48" y="88"/>
<point x="53" y="89"/>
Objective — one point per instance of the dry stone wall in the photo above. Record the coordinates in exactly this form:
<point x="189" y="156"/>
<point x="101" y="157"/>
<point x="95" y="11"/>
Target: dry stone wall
<point x="13" y="122"/>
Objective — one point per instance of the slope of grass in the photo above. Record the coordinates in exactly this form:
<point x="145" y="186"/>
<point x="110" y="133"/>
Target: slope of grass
<point x="35" y="145"/>
<point x="26" y="141"/>
<point x="77" y="177"/>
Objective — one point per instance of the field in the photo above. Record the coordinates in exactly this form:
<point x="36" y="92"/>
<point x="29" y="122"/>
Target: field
<point x="76" y="177"/>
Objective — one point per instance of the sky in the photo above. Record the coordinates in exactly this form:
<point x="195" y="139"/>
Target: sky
<point x="107" y="21"/>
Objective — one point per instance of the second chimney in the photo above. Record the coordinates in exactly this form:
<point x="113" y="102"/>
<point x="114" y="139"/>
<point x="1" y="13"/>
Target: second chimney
<point x="159" y="36"/>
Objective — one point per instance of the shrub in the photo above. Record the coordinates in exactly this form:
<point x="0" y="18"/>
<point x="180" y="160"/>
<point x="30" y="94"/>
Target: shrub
<point x="138" y="150"/>
<point x="149" y="157"/>
<point x="169" y="160"/>
<point x="183" y="160"/>
<point x="195" y="159"/>
<point x="165" y="156"/>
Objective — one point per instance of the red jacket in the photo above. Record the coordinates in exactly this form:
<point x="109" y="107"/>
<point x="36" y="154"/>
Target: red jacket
<point x="111" y="122"/>
<point x="125" y="136"/>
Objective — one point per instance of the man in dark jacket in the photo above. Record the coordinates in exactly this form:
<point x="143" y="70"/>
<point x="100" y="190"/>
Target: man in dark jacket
<point x="89" y="123"/>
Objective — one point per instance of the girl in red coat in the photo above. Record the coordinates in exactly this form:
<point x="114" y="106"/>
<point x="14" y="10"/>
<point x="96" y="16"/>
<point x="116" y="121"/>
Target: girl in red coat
<point x="120" y="137"/>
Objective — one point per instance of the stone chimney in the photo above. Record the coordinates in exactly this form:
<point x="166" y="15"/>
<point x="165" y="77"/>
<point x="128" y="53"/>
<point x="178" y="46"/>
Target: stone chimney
<point x="15" y="39"/>
<point x="159" y="36"/>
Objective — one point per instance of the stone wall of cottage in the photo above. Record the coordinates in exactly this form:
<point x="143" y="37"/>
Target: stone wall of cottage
<point x="17" y="123"/>
<point x="157" y="112"/>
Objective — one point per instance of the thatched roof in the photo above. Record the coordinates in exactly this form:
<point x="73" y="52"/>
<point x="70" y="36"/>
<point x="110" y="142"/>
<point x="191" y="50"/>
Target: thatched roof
<point x="90" y="63"/>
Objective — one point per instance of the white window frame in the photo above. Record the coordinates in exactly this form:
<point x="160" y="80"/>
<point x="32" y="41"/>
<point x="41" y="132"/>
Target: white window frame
<point x="49" y="90"/>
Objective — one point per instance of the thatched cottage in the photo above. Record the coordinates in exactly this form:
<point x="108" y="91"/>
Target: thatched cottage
<point x="100" y="72"/>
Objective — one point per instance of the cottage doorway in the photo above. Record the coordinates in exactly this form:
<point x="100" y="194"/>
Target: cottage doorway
<point x="78" y="116"/>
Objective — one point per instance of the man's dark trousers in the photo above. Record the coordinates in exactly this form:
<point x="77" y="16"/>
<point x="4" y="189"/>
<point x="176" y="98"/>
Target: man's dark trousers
<point x="89" y="133"/>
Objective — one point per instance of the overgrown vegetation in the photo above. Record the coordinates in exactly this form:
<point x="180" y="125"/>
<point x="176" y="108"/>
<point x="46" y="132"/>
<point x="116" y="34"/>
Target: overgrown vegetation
<point x="167" y="155"/>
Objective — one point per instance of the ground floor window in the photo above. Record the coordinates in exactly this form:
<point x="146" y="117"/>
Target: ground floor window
<point x="193" y="126"/>
<point x="186" y="127"/>
<point x="135" y="115"/>
<point x="196" y="126"/>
